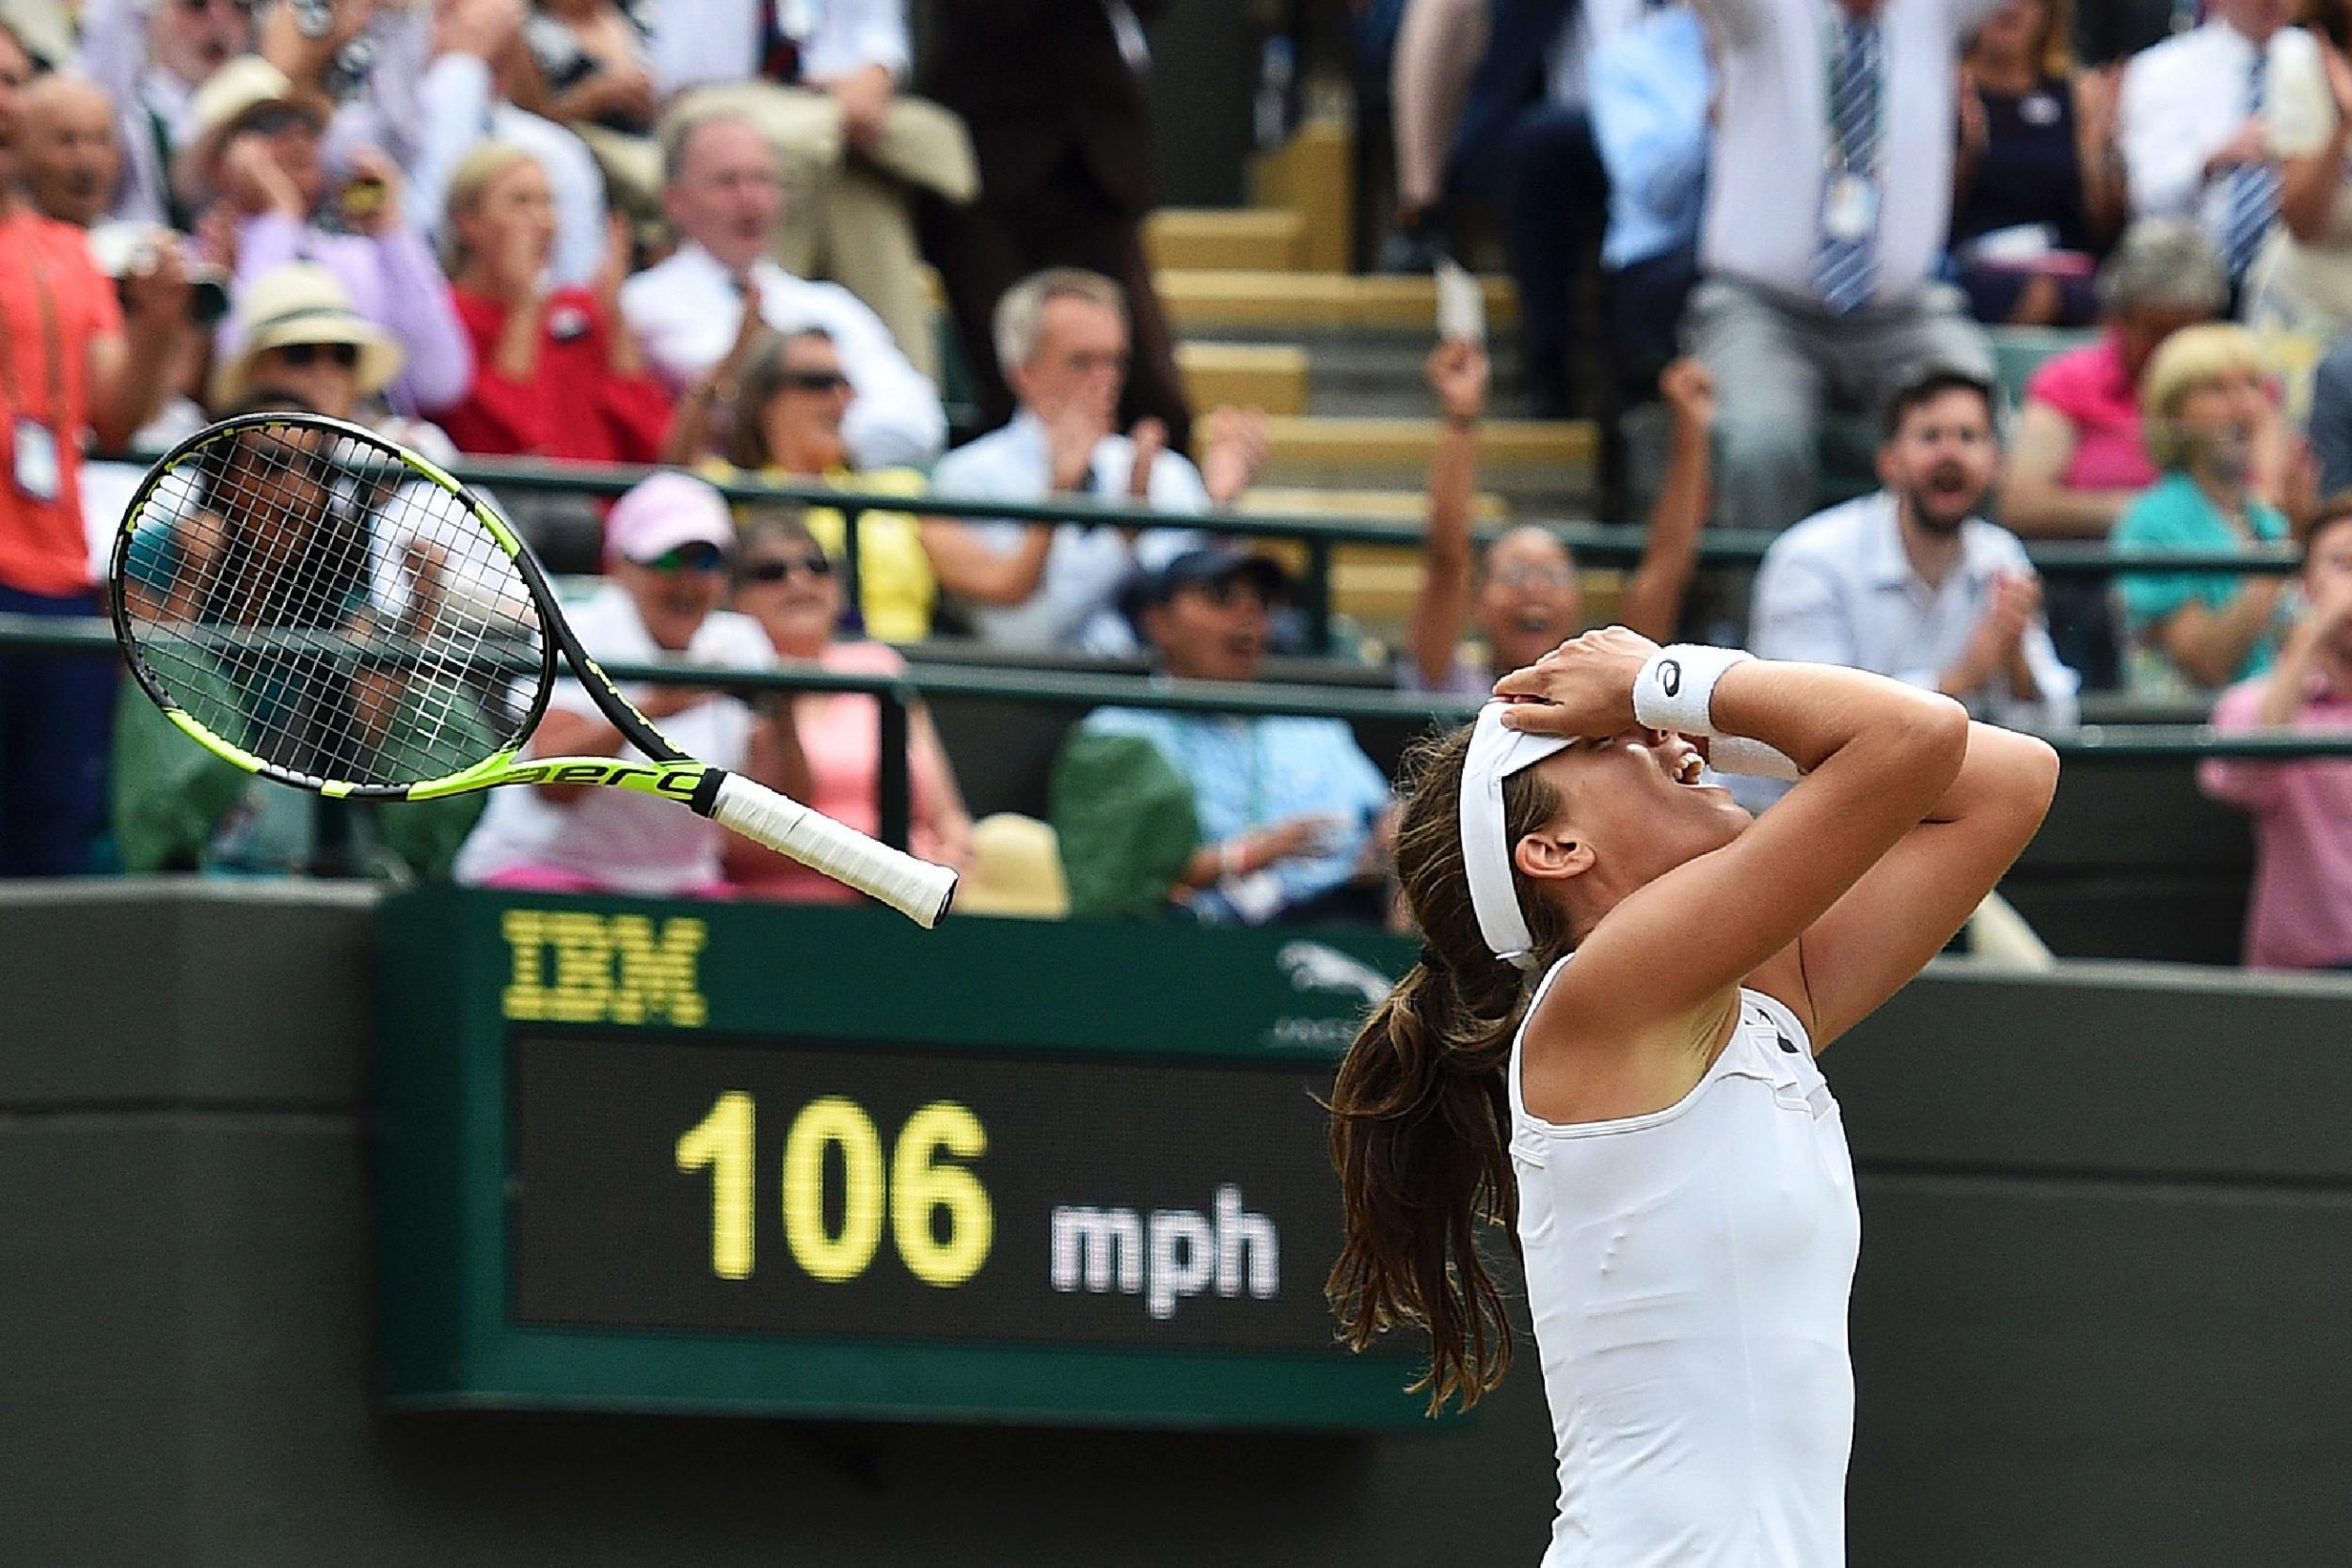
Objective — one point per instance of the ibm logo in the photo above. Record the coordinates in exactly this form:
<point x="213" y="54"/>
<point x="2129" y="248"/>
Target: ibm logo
<point x="574" y="967"/>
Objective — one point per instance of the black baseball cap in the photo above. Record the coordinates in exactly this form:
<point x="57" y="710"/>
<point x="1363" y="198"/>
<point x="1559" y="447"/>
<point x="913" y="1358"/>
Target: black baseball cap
<point x="1210" y="563"/>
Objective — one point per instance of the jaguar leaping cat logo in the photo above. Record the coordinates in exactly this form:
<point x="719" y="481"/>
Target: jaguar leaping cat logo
<point x="1312" y="966"/>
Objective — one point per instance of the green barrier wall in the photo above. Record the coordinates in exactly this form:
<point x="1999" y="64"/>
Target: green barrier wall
<point x="2101" y="1317"/>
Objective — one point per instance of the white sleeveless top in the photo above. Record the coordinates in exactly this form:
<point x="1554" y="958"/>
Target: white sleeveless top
<point x="1688" y="1272"/>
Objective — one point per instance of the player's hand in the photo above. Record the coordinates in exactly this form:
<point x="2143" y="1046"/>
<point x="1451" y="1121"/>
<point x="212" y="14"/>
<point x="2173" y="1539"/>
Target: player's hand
<point x="1583" y="687"/>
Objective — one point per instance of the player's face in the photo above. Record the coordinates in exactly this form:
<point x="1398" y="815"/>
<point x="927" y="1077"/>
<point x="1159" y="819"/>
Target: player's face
<point x="1528" y="602"/>
<point x="1635" y="800"/>
<point x="1213" y="631"/>
<point x="1942" y="459"/>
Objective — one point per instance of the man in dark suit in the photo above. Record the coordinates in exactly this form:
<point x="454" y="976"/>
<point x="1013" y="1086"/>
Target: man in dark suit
<point x="1053" y="91"/>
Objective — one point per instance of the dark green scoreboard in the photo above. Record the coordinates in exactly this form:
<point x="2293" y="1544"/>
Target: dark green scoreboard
<point x="714" y="1157"/>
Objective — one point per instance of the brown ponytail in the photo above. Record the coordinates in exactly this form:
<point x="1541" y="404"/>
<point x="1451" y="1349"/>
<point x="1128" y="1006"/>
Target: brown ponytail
<point x="1421" y="1119"/>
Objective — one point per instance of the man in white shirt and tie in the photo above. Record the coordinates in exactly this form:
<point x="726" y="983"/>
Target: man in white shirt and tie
<point x="2190" y="125"/>
<point x="1911" y="582"/>
<point x="1827" y="206"/>
<point x="723" y="194"/>
<point x="821" y="79"/>
<point x="1062" y="336"/>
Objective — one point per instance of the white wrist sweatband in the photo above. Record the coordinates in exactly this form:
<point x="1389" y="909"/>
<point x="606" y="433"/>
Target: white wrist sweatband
<point x="1676" y="688"/>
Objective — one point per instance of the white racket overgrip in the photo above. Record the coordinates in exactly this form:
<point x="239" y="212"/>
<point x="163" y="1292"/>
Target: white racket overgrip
<point x="917" y="889"/>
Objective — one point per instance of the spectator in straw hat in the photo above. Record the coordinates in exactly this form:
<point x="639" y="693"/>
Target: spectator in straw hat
<point x="294" y="328"/>
<point x="255" y="163"/>
<point x="557" y="372"/>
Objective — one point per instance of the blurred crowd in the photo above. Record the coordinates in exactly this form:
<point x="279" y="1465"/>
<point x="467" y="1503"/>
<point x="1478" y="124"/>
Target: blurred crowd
<point x="694" y="233"/>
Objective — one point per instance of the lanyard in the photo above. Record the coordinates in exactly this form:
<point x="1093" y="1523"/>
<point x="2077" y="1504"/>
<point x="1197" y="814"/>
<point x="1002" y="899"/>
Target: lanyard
<point x="52" y="348"/>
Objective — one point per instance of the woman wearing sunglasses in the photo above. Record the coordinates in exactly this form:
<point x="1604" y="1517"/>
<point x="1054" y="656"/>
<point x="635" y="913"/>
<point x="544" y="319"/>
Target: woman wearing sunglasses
<point x="789" y="396"/>
<point x="785" y="581"/>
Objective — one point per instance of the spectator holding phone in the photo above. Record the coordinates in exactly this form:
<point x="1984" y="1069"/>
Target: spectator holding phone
<point x="73" y="358"/>
<point x="256" y="164"/>
<point x="2300" y="916"/>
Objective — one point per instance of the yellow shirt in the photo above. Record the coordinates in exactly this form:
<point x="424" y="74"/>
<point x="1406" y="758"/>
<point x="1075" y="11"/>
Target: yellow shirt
<point x="896" y="588"/>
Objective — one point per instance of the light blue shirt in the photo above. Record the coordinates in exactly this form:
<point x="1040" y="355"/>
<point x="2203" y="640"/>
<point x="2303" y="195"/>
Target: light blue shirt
<point x="1650" y="87"/>
<point x="1251" y="774"/>
<point x="1839" y="588"/>
<point x="1075" y="605"/>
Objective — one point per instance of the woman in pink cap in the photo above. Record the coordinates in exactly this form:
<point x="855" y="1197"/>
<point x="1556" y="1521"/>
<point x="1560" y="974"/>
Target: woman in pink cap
<point x="669" y="542"/>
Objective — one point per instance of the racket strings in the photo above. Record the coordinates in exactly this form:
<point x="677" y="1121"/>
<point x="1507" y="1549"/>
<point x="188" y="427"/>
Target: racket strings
<point x="339" y="625"/>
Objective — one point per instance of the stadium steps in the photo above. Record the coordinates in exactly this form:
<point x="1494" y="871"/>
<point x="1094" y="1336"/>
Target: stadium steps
<point x="1225" y="239"/>
<point x="1215" y="302"/>
<point x="1272" y="376"/>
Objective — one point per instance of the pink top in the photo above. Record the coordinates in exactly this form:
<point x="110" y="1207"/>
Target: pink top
<point x="2301" y="913"/>
<point x="2090" y="386"/>
<point x="842" y="744"/>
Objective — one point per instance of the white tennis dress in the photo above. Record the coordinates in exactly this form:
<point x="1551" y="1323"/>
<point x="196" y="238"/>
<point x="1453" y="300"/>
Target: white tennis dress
<point x="1688" y="1272"/>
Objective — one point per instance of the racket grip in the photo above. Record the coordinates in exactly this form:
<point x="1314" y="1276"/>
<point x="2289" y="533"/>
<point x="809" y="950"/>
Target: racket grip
<point x="917" y="889"/>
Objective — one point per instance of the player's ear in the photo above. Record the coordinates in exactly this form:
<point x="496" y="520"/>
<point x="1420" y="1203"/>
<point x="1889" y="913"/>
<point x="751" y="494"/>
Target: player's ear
<point x="1549" y="855"/>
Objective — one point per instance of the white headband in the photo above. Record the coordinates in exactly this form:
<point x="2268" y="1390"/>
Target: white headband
<point x="1495" y="755"/>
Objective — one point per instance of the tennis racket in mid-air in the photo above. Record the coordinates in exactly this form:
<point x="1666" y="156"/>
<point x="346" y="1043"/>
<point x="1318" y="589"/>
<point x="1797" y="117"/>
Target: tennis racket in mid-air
<point x="326" y="609"/>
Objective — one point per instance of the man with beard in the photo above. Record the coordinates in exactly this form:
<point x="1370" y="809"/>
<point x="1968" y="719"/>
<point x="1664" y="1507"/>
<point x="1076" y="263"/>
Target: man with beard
<point x="1909" y="582"/>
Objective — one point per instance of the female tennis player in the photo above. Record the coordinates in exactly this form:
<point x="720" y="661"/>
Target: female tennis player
<point x="1607" y="1043"/>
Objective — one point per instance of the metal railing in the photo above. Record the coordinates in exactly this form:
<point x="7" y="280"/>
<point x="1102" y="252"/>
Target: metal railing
<point x="1318" y="533"/>
<point x="1074" y="689"/>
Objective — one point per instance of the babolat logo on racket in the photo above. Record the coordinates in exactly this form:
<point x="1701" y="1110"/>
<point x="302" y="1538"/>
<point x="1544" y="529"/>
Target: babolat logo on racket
<point x="676" y="783"/>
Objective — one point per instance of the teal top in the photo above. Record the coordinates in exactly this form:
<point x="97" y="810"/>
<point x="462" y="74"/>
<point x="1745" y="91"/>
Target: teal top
<point x="2174" y="515"/>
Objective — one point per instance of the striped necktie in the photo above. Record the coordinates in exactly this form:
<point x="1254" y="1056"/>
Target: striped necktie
<point x="1845" y="263"/>
<point x="2251" y="194"/>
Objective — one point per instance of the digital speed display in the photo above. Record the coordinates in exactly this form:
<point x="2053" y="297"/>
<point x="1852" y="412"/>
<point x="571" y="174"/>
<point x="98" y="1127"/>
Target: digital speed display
<point x="715" y="1158"/>
<point x="774" y="1187"/>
